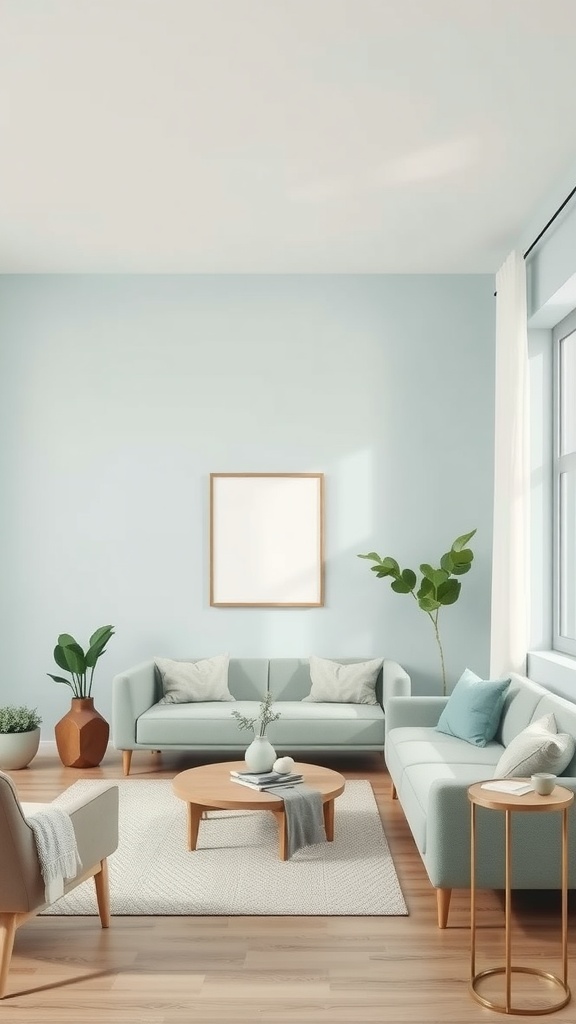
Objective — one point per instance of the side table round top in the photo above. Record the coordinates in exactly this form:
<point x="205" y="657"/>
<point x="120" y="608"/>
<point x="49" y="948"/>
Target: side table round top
<point x="557" y="800"/>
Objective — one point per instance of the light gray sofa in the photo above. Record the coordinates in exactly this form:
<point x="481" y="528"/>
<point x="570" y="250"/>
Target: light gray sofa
<point x="139" y="722"/>
<point x="431" y="773"/>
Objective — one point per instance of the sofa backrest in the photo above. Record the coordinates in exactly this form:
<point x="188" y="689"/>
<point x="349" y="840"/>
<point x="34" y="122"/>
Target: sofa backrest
<point x="521" y="700"/>
<point x="247" y="677"/>
<point x="290" y="677"/>
<point x="526" y="702"/>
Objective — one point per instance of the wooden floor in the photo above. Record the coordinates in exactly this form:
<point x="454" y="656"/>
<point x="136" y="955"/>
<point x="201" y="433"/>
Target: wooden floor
<point x="155" y="970"/>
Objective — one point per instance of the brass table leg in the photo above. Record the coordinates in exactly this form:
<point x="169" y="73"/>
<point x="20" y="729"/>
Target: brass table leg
<point x="508" y="969"/>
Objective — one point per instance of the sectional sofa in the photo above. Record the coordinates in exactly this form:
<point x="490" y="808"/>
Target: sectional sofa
<point x="140" y="722"/>
<point x="431" y="772"/>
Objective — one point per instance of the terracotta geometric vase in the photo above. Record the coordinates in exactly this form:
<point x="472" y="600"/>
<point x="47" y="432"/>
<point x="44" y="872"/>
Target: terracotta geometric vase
<point x="82" y="735"/>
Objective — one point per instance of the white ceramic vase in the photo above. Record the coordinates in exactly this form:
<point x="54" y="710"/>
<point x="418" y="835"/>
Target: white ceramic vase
<point x="260" y="755"/>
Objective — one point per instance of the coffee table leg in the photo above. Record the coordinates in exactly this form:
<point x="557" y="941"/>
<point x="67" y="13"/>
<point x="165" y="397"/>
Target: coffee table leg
<point x="194" y="816"/>
<point x="282" y="834"/>
<point x="329" y="820"/>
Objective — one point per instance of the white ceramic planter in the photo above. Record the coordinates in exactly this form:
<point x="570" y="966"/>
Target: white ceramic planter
<point x="18" y="748"/>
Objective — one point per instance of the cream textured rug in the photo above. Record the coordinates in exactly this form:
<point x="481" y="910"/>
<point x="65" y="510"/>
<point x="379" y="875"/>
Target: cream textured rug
<point x="236" y="869"/>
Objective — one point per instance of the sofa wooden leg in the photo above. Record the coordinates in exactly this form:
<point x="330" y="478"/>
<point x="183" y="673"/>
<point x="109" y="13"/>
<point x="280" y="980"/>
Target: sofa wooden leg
<point x="393" y="792"/>
<point x="126" y="759"/>
<point x="443" y="902"/>
<point x="103" y="893"/>
<point x="7" y="932"/>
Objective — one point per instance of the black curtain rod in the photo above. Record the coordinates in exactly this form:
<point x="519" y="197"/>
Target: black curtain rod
<point x="547" y="225"/>
<point x="550" y="222"/>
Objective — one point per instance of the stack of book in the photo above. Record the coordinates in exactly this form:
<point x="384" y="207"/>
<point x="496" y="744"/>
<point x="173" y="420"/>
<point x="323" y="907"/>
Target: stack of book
<point x="266" y="780"/>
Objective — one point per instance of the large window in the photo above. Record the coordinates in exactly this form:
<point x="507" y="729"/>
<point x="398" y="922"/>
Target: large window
<point x="565" y="485"/>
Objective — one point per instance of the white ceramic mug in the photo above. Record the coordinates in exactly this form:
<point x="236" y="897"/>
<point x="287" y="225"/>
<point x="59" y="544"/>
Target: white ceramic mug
<point x="543" y="783"/>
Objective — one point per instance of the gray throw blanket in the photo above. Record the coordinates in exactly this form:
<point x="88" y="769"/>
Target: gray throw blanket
<point x="304" y="815"/>
<point x="57" y="849"/>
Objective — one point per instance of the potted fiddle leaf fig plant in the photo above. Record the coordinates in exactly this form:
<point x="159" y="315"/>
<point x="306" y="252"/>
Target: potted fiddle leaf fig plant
<point x="82" y="735"/>
<point x="19" y="736"/>
<point x="437" y="587"/>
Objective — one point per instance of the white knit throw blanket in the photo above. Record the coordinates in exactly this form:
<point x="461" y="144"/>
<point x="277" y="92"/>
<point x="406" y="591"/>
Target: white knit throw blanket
<point x="57" y="849"/>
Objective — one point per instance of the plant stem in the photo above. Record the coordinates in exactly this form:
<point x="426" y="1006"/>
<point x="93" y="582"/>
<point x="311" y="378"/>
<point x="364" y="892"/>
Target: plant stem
<point x="434" y="621"/>
<point x="438" y="641"/>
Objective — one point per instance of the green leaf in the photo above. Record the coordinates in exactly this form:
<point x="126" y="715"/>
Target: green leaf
<point x="75" y="658"/>
<point x="449" y="592"/>
<point x="372" y="557"/>
<point x="436" y="576"/>
<point x="60" y="679"/>
<point x="463" y="557"/>
<point x="426" y="588"/>
<point x="427" y="570"/>
<point x="65" y="640"/>
<point x="60" y="658"/>
<point x="428" y="604"/>
<point x="462" y="541"/>
<point x="391" y="565"/>
<point x="459" y="570"/>
<point x="96" y="651"/>
<point x="447" y="562"/>
<point x="409" y="578"/>
<point x="380" y="571"/>
<point x="400" y="587"/>
<point x="103" y="631"/>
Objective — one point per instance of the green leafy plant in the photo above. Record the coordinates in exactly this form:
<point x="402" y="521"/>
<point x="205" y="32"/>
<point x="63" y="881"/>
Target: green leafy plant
<point x="263" y="719"/>
<point x="18" y="719"/>
<point x="436" y="588"/>
<point x="69" y="656"/>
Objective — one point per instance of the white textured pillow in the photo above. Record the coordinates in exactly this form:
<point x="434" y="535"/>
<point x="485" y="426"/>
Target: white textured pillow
<point x="538" y="748"/>
<point x="333" y="682"/>
<point x="185" y="682"/>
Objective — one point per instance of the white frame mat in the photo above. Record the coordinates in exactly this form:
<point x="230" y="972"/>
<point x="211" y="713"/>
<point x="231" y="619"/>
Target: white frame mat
<point x="266" y="540"/>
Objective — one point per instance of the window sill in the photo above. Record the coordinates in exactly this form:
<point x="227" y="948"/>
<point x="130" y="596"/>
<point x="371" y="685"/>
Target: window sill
<point x="555" y="671"/>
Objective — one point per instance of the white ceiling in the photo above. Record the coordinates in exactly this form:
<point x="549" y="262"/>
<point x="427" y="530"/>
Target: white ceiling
<point x="279" y="136"/>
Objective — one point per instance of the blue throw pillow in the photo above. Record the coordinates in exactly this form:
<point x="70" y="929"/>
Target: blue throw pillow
<point x="473" y="709"/>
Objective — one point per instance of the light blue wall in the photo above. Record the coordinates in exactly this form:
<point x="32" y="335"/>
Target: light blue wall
<point x="119" y="396"/>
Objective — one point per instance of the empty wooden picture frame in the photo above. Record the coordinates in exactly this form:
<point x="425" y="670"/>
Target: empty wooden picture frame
<point x="266" y="540"/>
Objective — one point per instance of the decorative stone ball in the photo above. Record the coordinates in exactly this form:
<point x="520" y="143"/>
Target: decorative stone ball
<point x="284" y="765"/>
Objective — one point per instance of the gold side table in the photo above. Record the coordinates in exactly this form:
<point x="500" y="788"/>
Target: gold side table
<point x="559" y="800"/>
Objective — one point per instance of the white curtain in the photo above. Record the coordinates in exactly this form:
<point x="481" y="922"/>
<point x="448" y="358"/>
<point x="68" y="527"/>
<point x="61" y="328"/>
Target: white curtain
<point x="510" y="552"/>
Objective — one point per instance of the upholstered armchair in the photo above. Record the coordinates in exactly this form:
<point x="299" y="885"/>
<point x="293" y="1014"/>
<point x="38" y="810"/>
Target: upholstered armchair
<point x="22" y="890"/>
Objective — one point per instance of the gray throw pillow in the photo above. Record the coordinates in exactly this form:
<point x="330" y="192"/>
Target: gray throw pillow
<point x="538" y="748"/>
<point x="185" y="682"/>
<point x="333" y="682"/>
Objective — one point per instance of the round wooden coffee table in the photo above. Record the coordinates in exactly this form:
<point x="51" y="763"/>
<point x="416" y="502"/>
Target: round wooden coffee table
<point x="209" y="788"/>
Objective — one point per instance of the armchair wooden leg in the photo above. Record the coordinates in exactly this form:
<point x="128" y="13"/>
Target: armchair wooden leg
<point x="103" y="893"/>
<point x="7" y="932"/>
<point x="393" y="792"/>
<point x="443" y="903"/>
<point x="126" y="759"/>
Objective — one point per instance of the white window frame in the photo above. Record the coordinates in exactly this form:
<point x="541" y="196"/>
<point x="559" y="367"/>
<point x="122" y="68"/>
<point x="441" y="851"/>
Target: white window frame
<point x="560" y="463"/>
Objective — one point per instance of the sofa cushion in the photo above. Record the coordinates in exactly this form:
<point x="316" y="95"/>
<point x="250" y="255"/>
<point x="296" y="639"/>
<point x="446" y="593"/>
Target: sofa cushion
<point x="317" y="725"/>
<point x="200" y="723"/>
<point x="333" y="681"/>
<point x="538" y="748"/>
<point x="186" y="681"/>
<point x="564" y="712"/>
<point x="473" y="710"/>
